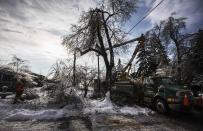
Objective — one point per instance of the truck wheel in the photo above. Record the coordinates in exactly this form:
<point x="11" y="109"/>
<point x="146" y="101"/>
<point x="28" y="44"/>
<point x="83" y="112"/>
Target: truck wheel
<point x="161" y="106"/>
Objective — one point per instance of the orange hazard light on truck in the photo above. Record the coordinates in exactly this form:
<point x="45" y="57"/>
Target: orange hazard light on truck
<point x="186" y="101"/>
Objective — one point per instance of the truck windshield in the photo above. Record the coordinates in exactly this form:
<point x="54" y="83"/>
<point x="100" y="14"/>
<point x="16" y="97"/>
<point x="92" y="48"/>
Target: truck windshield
<point x="163" y="81"/>
<point x="167" y="81"/>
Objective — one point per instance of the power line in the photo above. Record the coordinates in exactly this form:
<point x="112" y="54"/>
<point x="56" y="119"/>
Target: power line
<point x="151" y="4"/>
<point x="147" y="14"/>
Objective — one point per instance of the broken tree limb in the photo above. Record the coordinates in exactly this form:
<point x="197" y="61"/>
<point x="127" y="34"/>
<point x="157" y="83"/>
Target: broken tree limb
<point x="133" y="56"/>
<point x="141" y="38"/>
<point x="87" y="50"/>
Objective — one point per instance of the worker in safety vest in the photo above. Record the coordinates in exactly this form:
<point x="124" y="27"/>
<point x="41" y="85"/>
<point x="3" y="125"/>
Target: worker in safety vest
<point x="20" y="85"/>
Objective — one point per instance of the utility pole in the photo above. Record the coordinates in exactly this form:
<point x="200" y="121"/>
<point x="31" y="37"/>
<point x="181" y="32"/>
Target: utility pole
<point x="17" y="64"/>
<point x="74" y="63"/>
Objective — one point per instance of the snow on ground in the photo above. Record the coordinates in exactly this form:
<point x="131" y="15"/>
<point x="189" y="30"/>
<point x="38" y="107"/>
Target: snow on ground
<point x="24" y="111"/>
<point x="99" y="106"/>
<point x="43" y="114"/>
<point x="25" y="114"/>
<point x="34" y="109"/>
<point x="106" y="106"/>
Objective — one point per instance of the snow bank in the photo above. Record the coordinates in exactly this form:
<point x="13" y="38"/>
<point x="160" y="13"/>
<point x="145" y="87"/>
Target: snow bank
<point x="106" y="106"/>
<point x="44" y="114"/>
<point x="97" y="106"/>
<point x="22" y="112"/>
<point x="25" y="111"/>
<point x="25" y="114"/>
<point x="134" y="111"/>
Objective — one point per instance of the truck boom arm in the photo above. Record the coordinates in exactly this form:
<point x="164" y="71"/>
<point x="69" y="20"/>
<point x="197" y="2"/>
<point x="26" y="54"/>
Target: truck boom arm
<point x="140" y="44"/>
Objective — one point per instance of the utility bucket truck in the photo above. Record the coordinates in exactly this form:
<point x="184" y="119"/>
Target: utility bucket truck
<point x="158" y="91"/>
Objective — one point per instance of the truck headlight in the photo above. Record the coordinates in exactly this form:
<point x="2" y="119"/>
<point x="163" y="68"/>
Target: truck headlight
<point x="172" y="100"/>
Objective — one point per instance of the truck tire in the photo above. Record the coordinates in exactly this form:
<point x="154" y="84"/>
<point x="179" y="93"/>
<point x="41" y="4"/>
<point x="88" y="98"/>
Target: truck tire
<point x="161" y="106"/>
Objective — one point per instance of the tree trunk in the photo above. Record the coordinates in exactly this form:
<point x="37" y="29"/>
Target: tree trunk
<point x="111" y="52"/>
<point x="74" y="63"/>
<point x="179" y="64"/>
<point x="108" y="77"/>
<point x="105" y="57"/>
<point x="177" y="44"/>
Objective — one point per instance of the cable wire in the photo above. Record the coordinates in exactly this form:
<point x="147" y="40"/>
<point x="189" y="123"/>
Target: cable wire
<point x="147" y="14"/>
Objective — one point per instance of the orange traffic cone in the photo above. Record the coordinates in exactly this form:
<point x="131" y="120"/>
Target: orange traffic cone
<point x="186" y="101"/>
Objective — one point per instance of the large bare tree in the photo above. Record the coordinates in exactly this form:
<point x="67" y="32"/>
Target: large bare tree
<point x="173" y="33"/>
<point x="99" y="30"/>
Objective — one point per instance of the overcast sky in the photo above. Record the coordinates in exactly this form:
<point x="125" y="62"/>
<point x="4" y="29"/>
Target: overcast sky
<point x="33" y="29"/>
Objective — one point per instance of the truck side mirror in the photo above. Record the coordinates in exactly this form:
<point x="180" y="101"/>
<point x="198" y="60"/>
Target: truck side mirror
<point x="161" y="88"/>
<point x="4" y="88"/>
